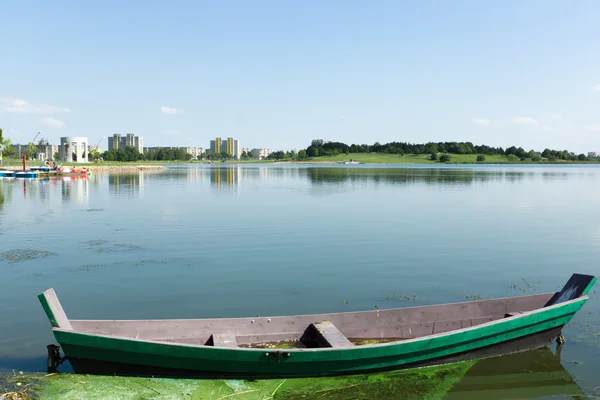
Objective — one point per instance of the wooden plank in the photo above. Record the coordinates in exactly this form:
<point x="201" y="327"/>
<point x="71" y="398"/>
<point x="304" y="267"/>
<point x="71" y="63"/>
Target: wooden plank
<point x="226" y="339"/>
<point x="54" y="310"/>
<point x="330" y="335"/>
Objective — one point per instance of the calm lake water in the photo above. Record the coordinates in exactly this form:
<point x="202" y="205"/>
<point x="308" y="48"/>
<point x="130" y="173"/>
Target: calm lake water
<point x="227" y="241"/>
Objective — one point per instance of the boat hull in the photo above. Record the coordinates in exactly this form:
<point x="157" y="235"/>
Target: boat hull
<point x="26" y="175"/>
<point x="90" y="353"/>
<point x="97" y="367"/>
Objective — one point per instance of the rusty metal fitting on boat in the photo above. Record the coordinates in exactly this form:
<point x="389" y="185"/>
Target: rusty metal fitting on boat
<point x="54" y="359"/>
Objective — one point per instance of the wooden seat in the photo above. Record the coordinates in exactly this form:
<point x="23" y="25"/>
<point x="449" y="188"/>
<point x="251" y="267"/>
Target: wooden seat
<point x="226" y="339"/>
<point x="326" y="335"/>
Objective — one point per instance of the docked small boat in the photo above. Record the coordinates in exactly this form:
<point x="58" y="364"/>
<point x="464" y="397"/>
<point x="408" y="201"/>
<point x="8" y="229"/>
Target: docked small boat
<point x="6" y="173"/>
<point x="315" y="345"/>
<point x="351" y="162"/>
<point x="26" y="174"/>
<point x="73" y="172"/>
<point x="41" y="168"/>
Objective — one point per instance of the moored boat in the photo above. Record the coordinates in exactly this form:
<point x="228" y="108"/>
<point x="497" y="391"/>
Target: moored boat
<point x="6" y="173"/>
<point x="73" y="172"/>
<point x="26" y="174"/>
<point x="41" y="168"/>
<point x="315" y="345"/>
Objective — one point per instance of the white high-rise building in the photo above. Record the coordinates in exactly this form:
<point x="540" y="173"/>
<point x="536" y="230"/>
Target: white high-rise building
<point x="118" y="142"/>
<point x="261" y="153"/>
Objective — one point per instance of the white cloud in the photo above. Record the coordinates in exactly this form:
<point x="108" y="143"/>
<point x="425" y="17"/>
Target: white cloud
<point x="170" y="110"/>
<point x="25" y="107"/>
<point x="524" y="121"/>
<point x="480" y="121"/>
<point x="597" y="87"/>
<point x="53" y="122"/>
<point x="592" y="127"/>
<point x="172" y="132"/>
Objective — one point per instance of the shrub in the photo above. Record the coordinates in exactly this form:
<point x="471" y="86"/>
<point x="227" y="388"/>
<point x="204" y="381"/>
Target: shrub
<point x="444" y="158"/>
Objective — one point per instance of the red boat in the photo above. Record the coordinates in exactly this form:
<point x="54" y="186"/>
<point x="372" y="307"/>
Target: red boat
<point x="73" y="172"/>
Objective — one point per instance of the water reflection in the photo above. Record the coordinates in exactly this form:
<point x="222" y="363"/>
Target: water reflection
<point x="6" y="189"/>
<point x="74" y="189"/>
<point x="408" y="176"/>
<point x="128" y="184"/>
<point x="528" y="375"/>
<point x="230" y="177"/>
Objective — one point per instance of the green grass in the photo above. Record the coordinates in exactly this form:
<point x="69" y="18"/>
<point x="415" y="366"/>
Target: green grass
<point x="376" y="158"/>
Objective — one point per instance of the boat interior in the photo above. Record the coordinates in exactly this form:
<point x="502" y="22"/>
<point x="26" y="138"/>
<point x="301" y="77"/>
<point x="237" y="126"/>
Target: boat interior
<point x="322" y="330"/>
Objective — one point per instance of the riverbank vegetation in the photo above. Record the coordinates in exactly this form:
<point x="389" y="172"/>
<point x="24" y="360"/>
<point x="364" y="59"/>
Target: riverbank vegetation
<point x="455" y="152"/>
<point x="327" y="152"/>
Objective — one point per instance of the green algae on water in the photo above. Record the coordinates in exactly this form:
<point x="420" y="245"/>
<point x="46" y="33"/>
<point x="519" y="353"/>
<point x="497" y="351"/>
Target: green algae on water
<point x="422" y="383"/>
<point x="117" y="247"/>
<point x="16" y="256"/>
<point x="88" y="267"/>
<point x="20" y="386"/>
<point x="96" y="242"/>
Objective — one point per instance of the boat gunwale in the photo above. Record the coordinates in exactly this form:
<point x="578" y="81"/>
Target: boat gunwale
<point x="525" y="314"/>
<point x="321" y="314"/>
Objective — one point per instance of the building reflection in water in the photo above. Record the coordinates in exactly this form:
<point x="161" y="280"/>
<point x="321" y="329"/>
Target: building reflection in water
<point x="225" y="177"/>
<point x="75" y="188"/>
<point x="126" y="184"/>
<point x="67" y="189"/>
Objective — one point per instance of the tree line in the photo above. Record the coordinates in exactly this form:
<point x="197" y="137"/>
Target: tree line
<point x="433" y="148"/>
<point x="130" y="154"/>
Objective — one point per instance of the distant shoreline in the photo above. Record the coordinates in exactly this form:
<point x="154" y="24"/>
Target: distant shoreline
<point x="124" y="167"/>
<point x="361" y="158"/>
<point x="98" y="167"/>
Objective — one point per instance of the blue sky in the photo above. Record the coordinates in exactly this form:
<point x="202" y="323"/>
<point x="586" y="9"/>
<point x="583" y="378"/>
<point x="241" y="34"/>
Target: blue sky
<point x="277" y="74"/>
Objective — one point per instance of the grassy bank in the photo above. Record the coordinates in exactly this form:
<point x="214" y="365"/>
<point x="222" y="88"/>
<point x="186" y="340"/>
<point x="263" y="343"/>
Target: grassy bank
<point x="377" y="158"/>
<point x="364" y="158"/>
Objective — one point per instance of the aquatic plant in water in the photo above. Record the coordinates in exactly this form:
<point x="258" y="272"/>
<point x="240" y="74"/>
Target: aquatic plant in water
<point x="117" y="247"/>
<point x="96" y="242"/>
<point x="26" y="254"/>
<point x="20" y="386"/>
<point x="423" y="383"/>
<point x="88" y="267"/>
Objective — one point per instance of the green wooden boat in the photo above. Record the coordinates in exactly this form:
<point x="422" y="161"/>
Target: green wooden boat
<point x="316" y="345"/>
